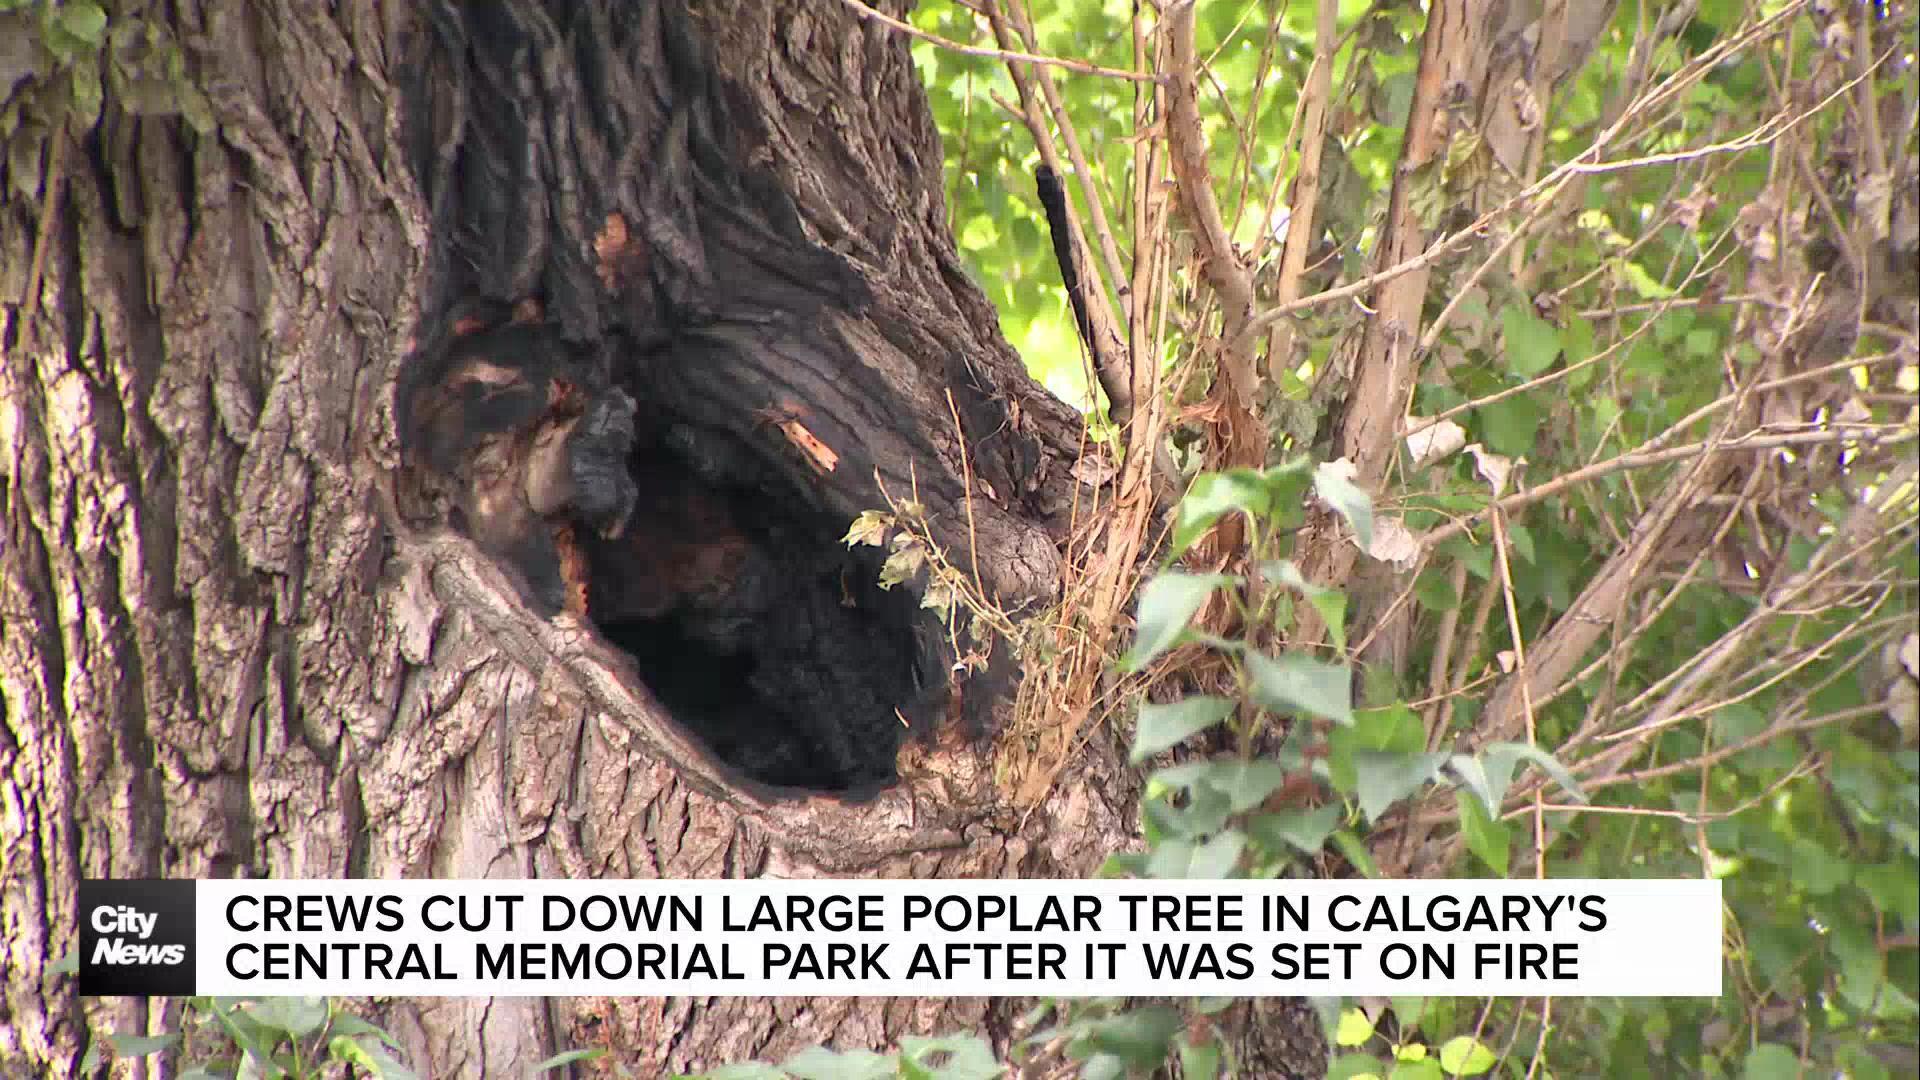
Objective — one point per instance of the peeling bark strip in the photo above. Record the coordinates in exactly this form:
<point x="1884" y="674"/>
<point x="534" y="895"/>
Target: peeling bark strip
<point x="236" y="636"/>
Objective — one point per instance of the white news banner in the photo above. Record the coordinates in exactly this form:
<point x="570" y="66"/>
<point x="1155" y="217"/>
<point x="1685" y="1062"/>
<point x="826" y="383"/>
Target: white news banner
<point x="958" y="938"/>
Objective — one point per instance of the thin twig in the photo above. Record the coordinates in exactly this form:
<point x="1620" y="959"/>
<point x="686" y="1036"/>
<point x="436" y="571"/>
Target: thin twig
<point x="1762" y="439"/>
<point x="1009" y="55"/>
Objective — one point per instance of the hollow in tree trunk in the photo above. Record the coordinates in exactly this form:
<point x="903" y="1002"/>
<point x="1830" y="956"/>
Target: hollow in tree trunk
<point x="425" y="451"/>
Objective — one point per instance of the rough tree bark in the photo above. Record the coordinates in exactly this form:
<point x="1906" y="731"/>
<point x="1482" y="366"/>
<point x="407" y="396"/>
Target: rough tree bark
<point x="318" y="555"/>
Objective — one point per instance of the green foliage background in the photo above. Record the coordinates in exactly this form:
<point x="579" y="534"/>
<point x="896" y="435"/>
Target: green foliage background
<point x="1813" y="822"/>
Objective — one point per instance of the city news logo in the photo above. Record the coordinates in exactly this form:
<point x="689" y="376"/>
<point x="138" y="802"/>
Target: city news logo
<point x="136" y="938"/>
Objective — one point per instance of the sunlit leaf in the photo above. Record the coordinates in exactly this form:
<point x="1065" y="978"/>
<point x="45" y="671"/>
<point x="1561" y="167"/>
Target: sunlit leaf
<point x="1167" y="603"/>
<point x="1164" y="726"/>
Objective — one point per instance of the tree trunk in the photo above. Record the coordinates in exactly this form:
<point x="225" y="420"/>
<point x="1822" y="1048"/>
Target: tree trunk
<point x="435" y="464"/>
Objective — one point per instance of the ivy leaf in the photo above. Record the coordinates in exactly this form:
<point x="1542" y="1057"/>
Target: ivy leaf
<point x="1167" y="604"/>
<point x="1297" y="683"/>
<point x="869" y="528"/>
<point x="909" y="556"/>
<point x="1333" y="482"/>
<point x="938" y="597"/>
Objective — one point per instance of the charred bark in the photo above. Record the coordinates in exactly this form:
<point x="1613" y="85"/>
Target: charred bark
<point x="436" y="466"/>
<point x="349" y="441"/>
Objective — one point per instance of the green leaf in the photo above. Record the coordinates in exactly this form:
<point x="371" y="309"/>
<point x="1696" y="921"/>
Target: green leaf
<point x="1161" y="727"/>
<point x="1412" y="1012"/>
<point x="1817" y="869"/>
<point x="1296" y="683"/>
<point x="1356" y="853"/>
<point x="1489" y="840"/>
<point x="374" y="1059"/>
<point x="1218" y="857"/>
<point x="1392" y="728"/>
<point x="349" y="1024"/>
<point x="1333" y="482"/>
<point x="84" y="77"/>
<point x="1246" y="784"/>
<point x="568" y="1057"/>
<point x="1212" y="495"/>
<point x="1141" y="1037"/>
<point x="1522" y="539"/>
<point x="1421" y="1069"/>
<point x="1330" y="603"/>
<point x="296" y="1016"/>
<point x="746" y="1070"/>
<point x="1167" y="605"/>
<point x="140" y="1045"/>
<point x="1435" y="592"/>
<point x="1577" y="340"/>
<point x="1384" y="778"/>
<point x="1532" y="343"/>
<point x="1506" y="754"/>
<point x="1355" y="1067"/>
<point x="1306" y="830"/>
<point x="1771" y="1061"/>
<point x="1464" y="1055"/>
<point x="84" y="20"/>
<point x="1287" y="490"/>
<point x="1510" y="424"/>
<point x="1199" y="1061"/>
<point x="1473" y="776"/>
<point x="1170" y="860"/>
<point x="819" y="1063"/>
<point x="968" y="1057"/>
<point x="1354" y="1029"/>
<point x="1644" y="283"/>
<point x="1893" y="887"/>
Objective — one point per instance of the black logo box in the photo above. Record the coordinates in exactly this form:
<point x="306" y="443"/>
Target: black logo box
<point x="107" y="913"/>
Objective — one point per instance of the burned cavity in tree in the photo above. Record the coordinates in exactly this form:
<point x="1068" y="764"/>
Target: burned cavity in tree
<point x="750" y="620"/>
<point x="687" y="545"/>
